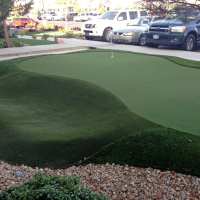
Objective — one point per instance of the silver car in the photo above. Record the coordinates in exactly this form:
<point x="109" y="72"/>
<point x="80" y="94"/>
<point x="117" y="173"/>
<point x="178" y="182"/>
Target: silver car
<point x="133" y="32"/>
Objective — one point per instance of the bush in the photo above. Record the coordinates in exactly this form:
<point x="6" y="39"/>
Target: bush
<point x="61" y="29"/>
<point x="22" y="32"/>
<point x="45" y="36"/>
<point x="2" y="30"/>
<point x="69" y="34"/>
<point x="3" y="44"/>
<point x="16" y="43"/>
<point x="34" y="36"/>
<point x="49" y="27"/>
<point x="76" y="29"/>
<point x="50" y="187"/>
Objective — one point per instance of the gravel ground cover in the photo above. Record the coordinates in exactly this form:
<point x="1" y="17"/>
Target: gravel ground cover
<point x="115" y="181"/>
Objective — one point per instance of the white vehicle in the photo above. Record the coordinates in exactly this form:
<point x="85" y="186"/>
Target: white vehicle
<point x="54" y="17"/>
<point x="102" y="26"/>
<point x="85" y="16"/>
<point x="76" y="18"/>
<point x="95" y="16"/>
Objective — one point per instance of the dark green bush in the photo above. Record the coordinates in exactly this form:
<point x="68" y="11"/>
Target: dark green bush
<point x="50" y="187"/>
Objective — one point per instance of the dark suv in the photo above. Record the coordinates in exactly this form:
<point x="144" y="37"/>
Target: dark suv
<point x="180" y="28"/>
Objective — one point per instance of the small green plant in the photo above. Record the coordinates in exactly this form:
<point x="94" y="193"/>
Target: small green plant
<point x="48" y="187"/>
<point x="49" y="27"/>
<point x="45" y="36"/>
<point x="61" y="29"/>
<point x="16" y="43"/>
<point x="3" y="44"/>
<point x="69" y="34"/>
<point x="34" y="36"/>
<point x="22" y="32"/>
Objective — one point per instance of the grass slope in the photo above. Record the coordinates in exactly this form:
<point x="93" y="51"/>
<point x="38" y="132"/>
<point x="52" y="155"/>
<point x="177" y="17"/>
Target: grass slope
<point x="151" y="86"/>
<point x="52" y="121"/>
<point x="161" y="148"/>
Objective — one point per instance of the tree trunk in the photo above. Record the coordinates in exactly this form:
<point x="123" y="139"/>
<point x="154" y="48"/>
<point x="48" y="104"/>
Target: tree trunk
<point x="6" y="34"/>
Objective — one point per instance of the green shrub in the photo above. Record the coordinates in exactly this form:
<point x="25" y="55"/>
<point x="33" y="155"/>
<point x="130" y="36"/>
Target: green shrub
<point x="3" y="44"/>
<point x="50" y="187"/>
<point x="22" y="32"/>
<point x="34" y="36"/>
<point x="16" y="43"/>
<point x="61" y="29"/>
<point x="69" y="34"/>
<point x="49" y="26"/>
<point x="45" y="36"/>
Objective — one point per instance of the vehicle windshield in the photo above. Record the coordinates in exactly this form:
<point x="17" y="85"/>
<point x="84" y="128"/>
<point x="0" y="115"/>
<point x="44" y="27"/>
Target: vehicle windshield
<point x="8" y="19"/>
<point x="109" y="15"/>
<point x="184" y="14"/>
<point x="139" y="21"/>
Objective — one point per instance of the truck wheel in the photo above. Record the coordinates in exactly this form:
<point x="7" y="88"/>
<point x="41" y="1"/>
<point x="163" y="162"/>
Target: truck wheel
<point x="25" y="26"/>
<point x="89" y="38"/>
<point x="152" y="45"/>
<point x="189" y="43"/>
<point x="106" y="35"/>
<point x="142" y="40"/>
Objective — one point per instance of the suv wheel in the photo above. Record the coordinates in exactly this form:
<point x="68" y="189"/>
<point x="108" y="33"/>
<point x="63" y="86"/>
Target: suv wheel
<point x="142" y="40"/>
<point x="189" y="43"/>
<point x="106" y="35"/>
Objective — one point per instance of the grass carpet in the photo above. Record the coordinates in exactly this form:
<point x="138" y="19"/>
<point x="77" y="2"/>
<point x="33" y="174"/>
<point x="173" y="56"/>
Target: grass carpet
<point x="153" y="87"/>
<point x="165" y="149"/>
<point x="31" y="42"/>
<point x="55" y="121"/>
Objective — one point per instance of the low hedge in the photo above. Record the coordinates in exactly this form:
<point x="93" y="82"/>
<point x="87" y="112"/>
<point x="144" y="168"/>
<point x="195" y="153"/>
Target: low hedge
<point x="164" y="148"/>
<point x="50" y="187"/>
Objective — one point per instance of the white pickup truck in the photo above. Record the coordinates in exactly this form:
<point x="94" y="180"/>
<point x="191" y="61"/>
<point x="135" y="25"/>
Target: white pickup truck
<point x="107" y="21"/>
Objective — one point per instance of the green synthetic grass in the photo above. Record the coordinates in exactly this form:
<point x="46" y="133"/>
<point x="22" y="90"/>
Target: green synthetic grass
<point x="32" y="42"/>
<point x="51" y="120"/>
<point x="55" y="121"/>
<point x="165" y="149"/>
<point x="153" y="87"/>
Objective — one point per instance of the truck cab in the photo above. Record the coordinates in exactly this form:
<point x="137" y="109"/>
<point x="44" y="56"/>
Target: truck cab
<point x="179" y="28"/>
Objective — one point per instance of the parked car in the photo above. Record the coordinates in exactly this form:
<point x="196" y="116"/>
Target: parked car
<point x="54" y="17"/>
<point x="86" y="16"/>
<point x="47" y="14"/>
<point x="95" y="16"/>
<point x="23" y="21"/>
<point x="177" y="29"/>
<point x="102" y="26"/>
<point x="134" y="31"/>
<point x="9" y="21"/>
<point x="70" y="16"/>
<point x="77" y="18"/>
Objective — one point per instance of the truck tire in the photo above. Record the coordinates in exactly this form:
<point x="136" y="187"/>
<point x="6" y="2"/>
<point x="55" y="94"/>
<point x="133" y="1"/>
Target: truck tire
<point x="189" y="43"/>
<point x="89" y="38"/>
<point x="25" y="26"/>
<point x="142" y="41"/>
<point x="106" y="34"/>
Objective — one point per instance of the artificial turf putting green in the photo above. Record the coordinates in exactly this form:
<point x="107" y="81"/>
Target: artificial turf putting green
<point x="153" y="87"/>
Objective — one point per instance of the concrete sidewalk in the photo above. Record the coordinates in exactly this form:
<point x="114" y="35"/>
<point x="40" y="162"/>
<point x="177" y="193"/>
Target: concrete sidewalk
<point x="72" y="43"/>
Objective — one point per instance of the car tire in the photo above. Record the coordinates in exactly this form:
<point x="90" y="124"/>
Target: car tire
<point x="25" y="26"/>
<point x="89" y="38"/>
<point x="189" y="43"/>
<point x="142" y="41"/>
<point x="106" y="34"/>
<point x="152" y="45"/>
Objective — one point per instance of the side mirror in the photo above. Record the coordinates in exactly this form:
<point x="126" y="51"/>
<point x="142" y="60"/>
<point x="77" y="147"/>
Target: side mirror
<point x="120" y="18"/>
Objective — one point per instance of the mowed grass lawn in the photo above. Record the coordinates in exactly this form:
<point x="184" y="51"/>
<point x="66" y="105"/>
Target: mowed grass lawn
<point x="62" y="108"/>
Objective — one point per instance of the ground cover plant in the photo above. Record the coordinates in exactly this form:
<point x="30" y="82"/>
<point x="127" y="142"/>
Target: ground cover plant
<point x="30" y="41"/>
<point x="49" y="187"/>
<point x="60" y="114"/>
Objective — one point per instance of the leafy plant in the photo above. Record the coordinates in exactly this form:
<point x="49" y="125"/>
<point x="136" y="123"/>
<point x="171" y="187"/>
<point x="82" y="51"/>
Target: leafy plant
<point x="3" y="44"/>
<point x="61" y="29"/>
<point x="16" y="43"/>
<point x="22" y="32"/>
<point x="49" y="26"/>
<point x="50" y="187"/>
<point x="45" y="36"/>
<point x="34" y="36"/>
<point x="69" y="34"/>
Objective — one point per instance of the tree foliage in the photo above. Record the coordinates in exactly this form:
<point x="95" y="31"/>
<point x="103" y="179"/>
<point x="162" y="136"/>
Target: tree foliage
<point x="164" y="7"/>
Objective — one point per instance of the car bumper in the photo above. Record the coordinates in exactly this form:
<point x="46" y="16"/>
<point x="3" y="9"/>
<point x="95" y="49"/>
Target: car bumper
<point x="92" y="32"/>
<point x="164" y="39"/>
<point x="124" y="39"/>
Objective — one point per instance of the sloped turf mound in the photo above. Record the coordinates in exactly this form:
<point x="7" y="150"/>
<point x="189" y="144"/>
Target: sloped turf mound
<point x="164" y="148"/>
